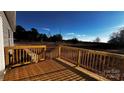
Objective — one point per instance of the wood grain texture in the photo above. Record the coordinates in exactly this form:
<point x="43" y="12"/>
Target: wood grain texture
<point x="45" y="70"/>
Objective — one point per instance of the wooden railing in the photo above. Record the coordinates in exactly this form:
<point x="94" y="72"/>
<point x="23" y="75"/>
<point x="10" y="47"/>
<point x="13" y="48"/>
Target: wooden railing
<point x="20" y="55"/>
<point x="52" y="53"/>
<point x="106" y="64"/>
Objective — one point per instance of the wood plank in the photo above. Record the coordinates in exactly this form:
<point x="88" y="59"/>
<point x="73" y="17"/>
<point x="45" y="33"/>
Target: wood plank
<point x="46" y="70"/>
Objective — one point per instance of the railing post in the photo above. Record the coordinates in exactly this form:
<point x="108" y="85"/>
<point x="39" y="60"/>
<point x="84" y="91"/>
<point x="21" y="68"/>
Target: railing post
<point x="6" y="56"/>
<point x="79" y="58"/>
<point x="59" y="51"/>
<point x="44" y="50"/>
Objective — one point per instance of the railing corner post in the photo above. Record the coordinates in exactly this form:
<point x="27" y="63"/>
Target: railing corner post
<point x="79" y="58"/>
<point x="59" y="51"/>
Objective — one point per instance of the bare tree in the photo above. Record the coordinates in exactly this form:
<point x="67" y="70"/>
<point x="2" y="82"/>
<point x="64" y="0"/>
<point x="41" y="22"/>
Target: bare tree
<point x="97" y="40"/>
<point x="117" y="38"/>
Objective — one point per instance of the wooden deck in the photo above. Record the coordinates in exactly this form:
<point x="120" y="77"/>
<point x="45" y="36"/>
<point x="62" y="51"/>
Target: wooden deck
<point x="50" y="70"/>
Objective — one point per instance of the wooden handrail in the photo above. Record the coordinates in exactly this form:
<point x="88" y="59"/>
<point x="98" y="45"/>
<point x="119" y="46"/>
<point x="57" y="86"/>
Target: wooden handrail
<point x="23" y="47"/>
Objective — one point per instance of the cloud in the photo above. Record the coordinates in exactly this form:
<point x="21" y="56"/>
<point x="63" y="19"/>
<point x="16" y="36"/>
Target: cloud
<point x="103" y="38"/>
<point x="75" y="35"/>
<point x="70" y="33"/>
<point x="118" y="27"/>
<point x="80" y="35"/>
<point x="47" y="29"/>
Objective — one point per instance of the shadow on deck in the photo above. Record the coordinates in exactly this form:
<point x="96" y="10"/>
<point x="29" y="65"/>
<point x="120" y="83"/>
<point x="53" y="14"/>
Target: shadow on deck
<point x="51" y="70"/>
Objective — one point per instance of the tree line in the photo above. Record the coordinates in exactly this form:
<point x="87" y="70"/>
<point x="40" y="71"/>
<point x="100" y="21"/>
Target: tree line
<point x="117" y="38"/>
<point x="33" y="35"/>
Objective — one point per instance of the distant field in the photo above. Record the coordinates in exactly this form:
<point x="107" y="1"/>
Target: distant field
<point x="119" y="51"/>
<point x="93" y="46"/>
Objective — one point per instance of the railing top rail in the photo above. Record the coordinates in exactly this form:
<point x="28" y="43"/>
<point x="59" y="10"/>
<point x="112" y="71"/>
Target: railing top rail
<point x="94" y="51"/>
<point x="26" y="46"/>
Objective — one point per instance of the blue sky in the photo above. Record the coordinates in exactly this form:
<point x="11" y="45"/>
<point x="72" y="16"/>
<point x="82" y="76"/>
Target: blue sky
<point x="84" y="25"/>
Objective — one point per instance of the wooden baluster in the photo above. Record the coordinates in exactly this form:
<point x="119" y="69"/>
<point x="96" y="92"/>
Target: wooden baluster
<point x="90" y="59"/>
<point x="65" y="53"/>
<point x="75" y="53"/>
<point x="87" y="61"/>
<point x="108" y="63"/>
<point x="60" y="50"/>
<point x="69" y="56"/>
<point x="103" y="67"/>
<point x="113" y="62"/>
<point x="93" y="63"/>
<point x="83" y="56"/>
<point x="41" y="54"/>
<point x="17" y="55"/>
<point x="35" y="54"/>
<point x="26" y="55"/>
<point x="68" y="53"/>
<point x="83" y="59"/>
<point x="72" y="55"/>
<point x="96" y="63"/>
<point x="38" y="53"/>
<point x="100" y="64"/>
<point x="75" y="56"/>
<point x="19" y="50"/>
<point x="23" y="56"/>
<point x="44" y="52"/>
<point x="79" y="58"/>
<point x="78" y="55"/>
<point x="13" y="56"/>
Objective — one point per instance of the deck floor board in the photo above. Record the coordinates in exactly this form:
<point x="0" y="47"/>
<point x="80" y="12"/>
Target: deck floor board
<point x="45" y="70"/>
